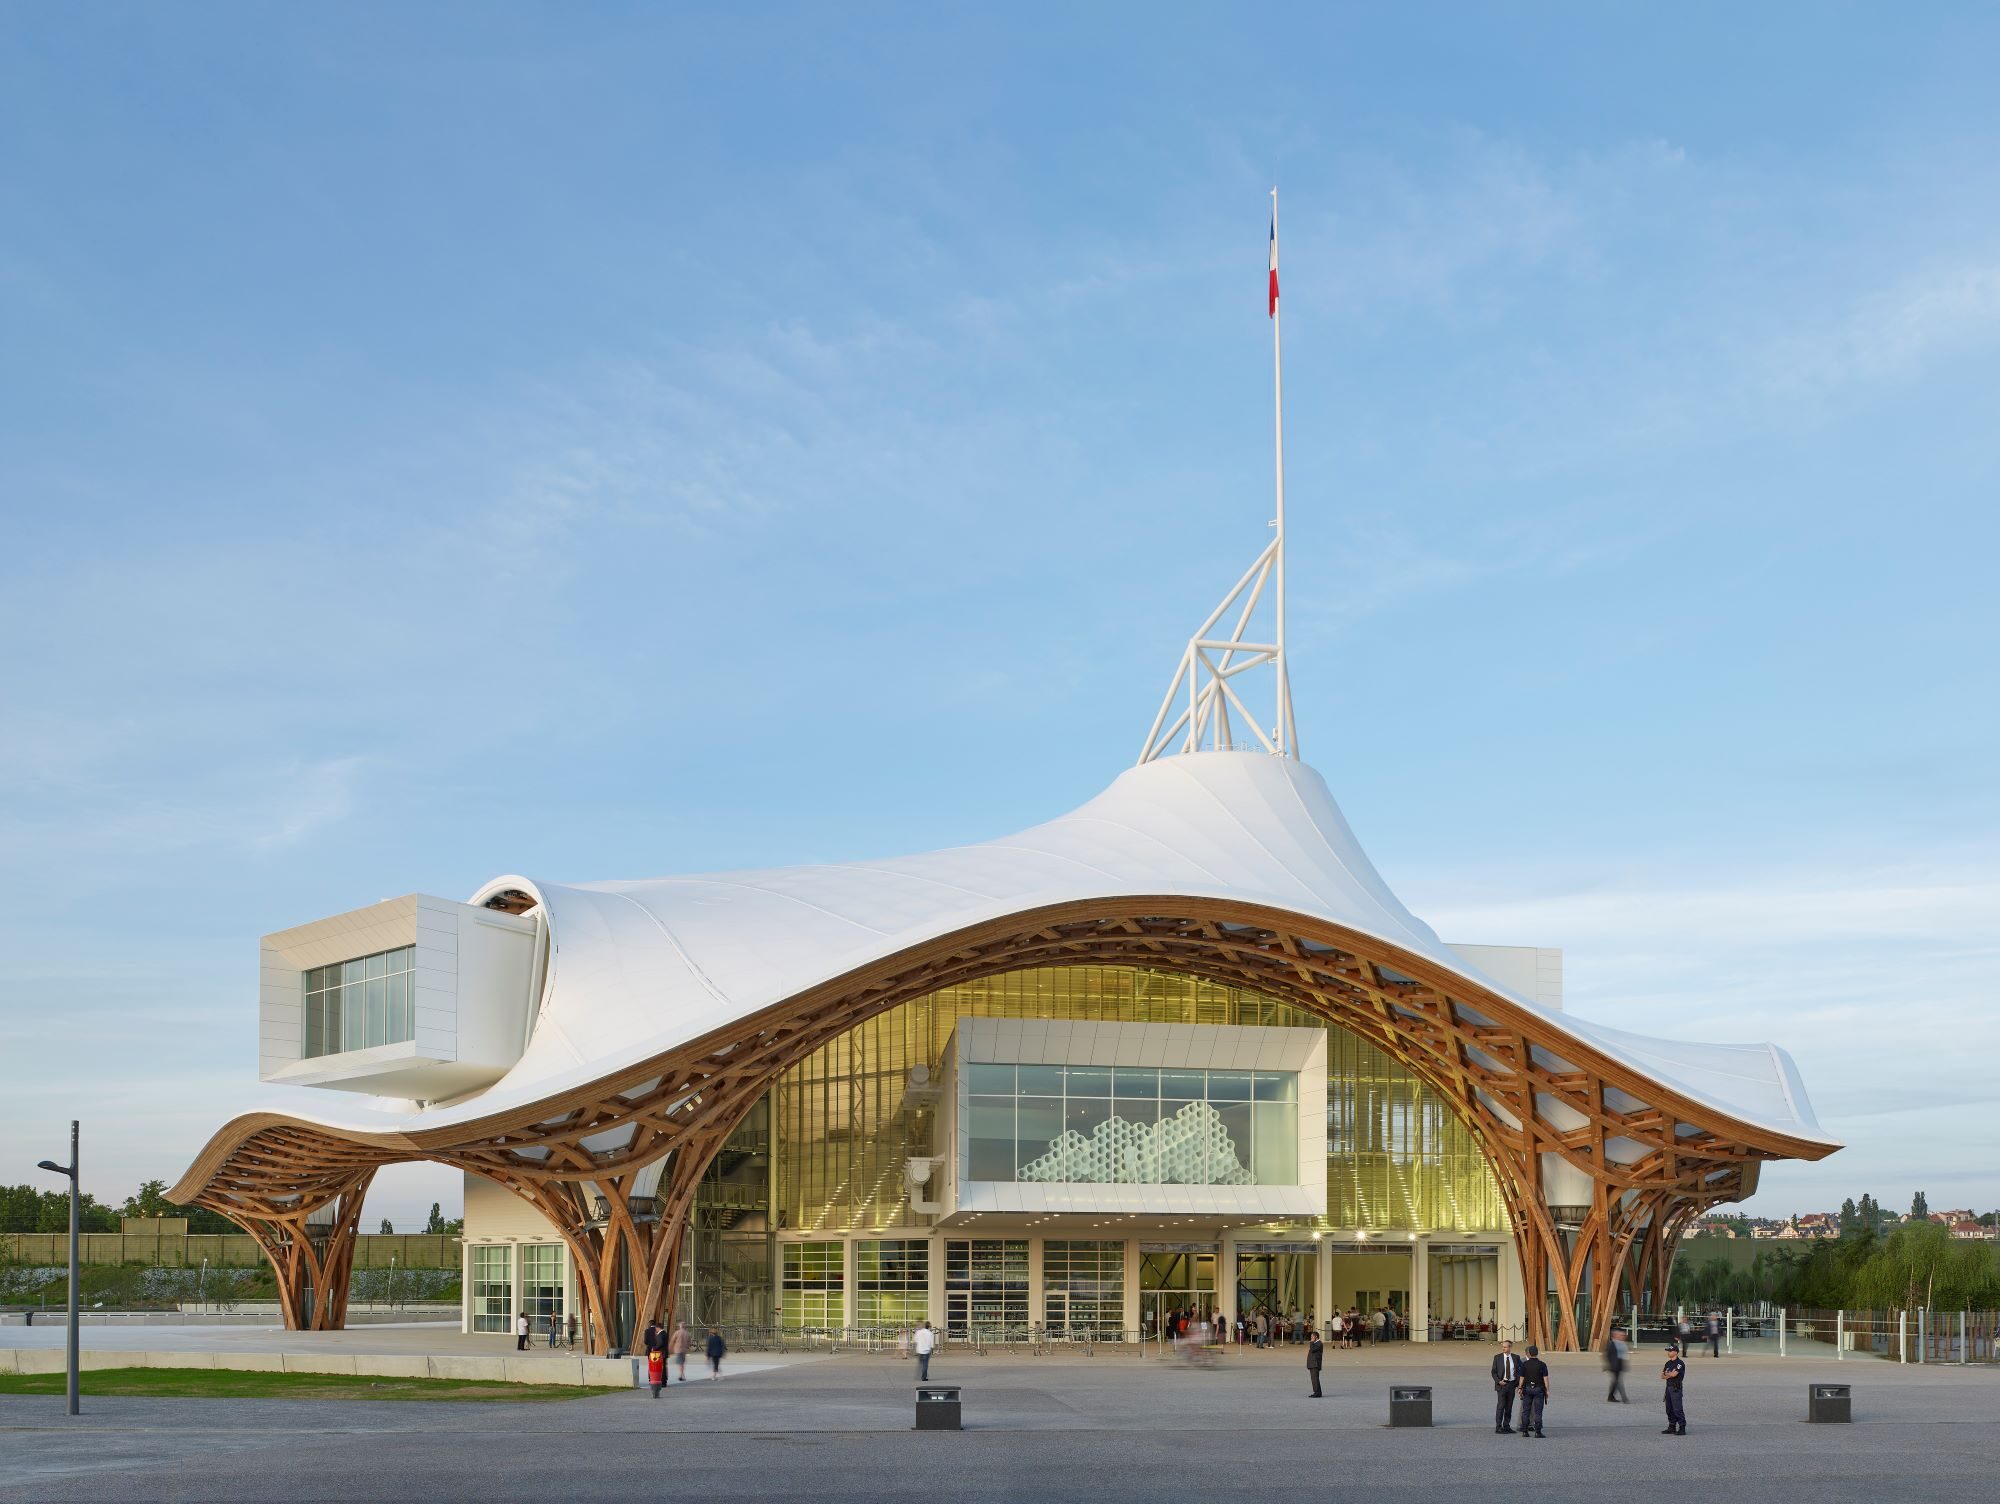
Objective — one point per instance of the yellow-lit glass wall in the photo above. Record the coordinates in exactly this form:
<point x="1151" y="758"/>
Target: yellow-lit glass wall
<point x="1398" y="1158"/>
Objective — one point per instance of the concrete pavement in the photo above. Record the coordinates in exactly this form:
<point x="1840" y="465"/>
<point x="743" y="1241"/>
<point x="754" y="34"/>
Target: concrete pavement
<point x="1111" y="1429"/>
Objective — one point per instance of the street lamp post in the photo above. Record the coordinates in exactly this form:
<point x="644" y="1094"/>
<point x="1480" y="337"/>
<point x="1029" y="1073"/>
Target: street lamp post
<point x="75" y="1204"/>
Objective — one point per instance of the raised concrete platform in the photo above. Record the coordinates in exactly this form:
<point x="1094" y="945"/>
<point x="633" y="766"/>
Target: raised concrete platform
<point x="515" y="1368"/>
<point x="411" y="1350"/>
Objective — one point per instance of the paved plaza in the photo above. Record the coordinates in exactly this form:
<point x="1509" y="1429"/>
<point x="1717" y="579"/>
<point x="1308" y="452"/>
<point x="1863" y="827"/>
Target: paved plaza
<point x="1104" y="1428"/>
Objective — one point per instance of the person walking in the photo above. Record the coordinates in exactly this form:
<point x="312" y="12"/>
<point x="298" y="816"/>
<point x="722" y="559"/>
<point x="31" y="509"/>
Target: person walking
<point x="1675" y="1373"/>
<point x="569" y="1334"/>
<point x="1714" y="1335"/>
<point x="1534" y="1393"/>
<point x="656" y="1356"/>
<point x="1315" y="1355"/>
<point x="1615" y="1351"/>
<point x="716" y="1348"/>
<point x="555" y="1331"/>
<point x="1506" y="1384"/>
<point x="923" y="1343"/>
<point x="521" y="1332"/>
<point x="677" y="1348"/>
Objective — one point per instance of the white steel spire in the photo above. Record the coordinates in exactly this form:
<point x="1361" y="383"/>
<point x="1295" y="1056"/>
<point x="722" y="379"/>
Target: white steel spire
<point x="1211" y="710"/>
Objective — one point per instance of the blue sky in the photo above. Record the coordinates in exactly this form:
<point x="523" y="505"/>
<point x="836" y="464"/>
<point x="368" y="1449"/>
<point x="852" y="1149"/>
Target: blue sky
<point x="603" y="441"/>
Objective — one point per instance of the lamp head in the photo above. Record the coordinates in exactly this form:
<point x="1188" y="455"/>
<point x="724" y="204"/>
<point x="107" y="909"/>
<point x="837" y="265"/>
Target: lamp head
<point x="51" y="1165"/>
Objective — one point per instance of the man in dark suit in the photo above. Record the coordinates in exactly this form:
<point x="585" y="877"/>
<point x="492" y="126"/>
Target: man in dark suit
<point x="1315" y="1353"/>
<point x="1506" y="1383"/>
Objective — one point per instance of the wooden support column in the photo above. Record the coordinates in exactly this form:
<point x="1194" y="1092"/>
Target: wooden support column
<point x="308" y="1256"/>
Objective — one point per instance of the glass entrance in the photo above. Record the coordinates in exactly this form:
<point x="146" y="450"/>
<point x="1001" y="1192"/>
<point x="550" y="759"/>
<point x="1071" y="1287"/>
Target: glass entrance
<point x="1174" y="1277"/>
<point x="1276" y="1282"/>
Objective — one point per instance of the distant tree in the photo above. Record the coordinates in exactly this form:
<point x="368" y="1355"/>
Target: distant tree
<point x="387" y="1225"/>
<point x="1850" y="1218"/>
<point x="29" y="1208"/>
<point x="1920" y="1209"/>
<point x="454" y="1227"/>
<point x="435" y="1223"/>
<point x="1988" y="1219"/>
<point x="150" y="1200"/>
<point x="1871" y="1213"/>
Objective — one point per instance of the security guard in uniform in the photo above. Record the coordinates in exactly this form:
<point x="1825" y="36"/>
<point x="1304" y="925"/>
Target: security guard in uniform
<point x="1534" y="1392"/>
<point x="1674" y="1373"/>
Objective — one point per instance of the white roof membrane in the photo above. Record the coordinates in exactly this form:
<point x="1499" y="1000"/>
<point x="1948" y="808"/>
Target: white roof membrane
<point x="641" y="967"/>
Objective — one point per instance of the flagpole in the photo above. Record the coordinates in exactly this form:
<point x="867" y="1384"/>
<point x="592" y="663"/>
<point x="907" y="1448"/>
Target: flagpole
<point x="1285" y="734"/>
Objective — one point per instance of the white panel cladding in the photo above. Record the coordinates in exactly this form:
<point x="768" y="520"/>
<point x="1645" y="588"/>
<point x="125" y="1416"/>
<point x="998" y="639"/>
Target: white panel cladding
<point x="494" y="1214"/>
<point x="280" y="1011"/>
<point x="470" y="999"/>
<point x="436" y="932"/>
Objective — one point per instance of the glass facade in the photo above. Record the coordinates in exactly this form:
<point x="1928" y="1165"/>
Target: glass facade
<point x="1125" y="1126"/>
<point x="726" y="1270"/>
<point x="492" y="1287"/>
<point x="985" y="1285"/>
<point x="352" y="1005"/>
<point x="892" y="1282"/>
<point x="1083" y="1287"/>
<point x="815" y="1285"/>
<point x="542" y="1284"/>
<point x="1398" y="1158"/>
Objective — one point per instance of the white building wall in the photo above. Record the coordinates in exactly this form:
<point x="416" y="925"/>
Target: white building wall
<point x="494" y="1214"/>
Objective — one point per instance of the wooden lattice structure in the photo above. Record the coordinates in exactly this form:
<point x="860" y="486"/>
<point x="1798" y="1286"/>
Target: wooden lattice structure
<point x="1532" y="1092"/>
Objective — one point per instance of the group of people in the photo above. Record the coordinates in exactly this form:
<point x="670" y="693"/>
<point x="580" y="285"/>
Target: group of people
<point x="1527" y="1381"/>
<point x="662" y="1346"/>
<point x="1263" y="1328"/>
<point x="524" y="1330"/>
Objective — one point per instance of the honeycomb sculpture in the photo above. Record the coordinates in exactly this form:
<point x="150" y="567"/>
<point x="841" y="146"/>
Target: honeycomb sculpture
<point x="1193" y="1147"/>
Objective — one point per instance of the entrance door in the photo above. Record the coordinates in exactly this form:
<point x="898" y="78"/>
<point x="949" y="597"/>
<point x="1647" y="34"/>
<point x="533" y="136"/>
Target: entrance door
<point x="1055" y="1312"/>
<point x="1174" y="1277"/>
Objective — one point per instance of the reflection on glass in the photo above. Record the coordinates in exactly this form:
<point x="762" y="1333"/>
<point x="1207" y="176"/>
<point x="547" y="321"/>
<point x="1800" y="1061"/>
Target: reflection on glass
<point x="1041" y="1080"/>
<point x="1277" y="1086"/>
<point x="1087" y="1136"/>
<point x="1229" y="1086"/>
<point x="990" y="1080"/>
<point x="1129" y="1083"/>
<point x="1086" y="1082"/>
<point x="353" y="1005"/>
<point x="991" y="1130"/>
<point x="1276" y="1144"/>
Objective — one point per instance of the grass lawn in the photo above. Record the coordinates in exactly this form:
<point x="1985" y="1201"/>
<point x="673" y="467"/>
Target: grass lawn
<point x="229" y="1383"/>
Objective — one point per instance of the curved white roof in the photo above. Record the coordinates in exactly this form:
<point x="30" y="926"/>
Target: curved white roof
<point x="641" y="967"/>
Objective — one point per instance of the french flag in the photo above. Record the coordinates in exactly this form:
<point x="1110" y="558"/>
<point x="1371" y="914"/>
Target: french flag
<point x="1274" y="266"/>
